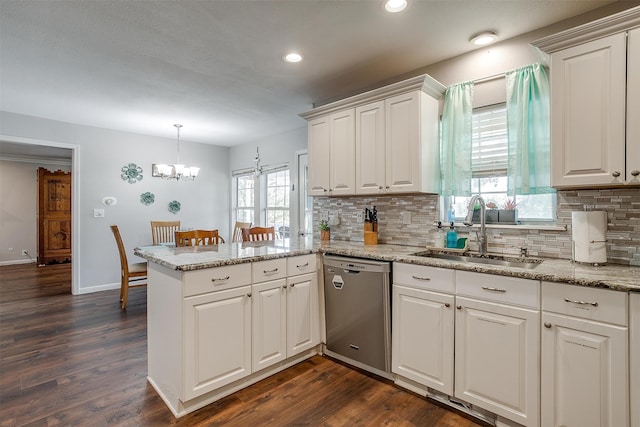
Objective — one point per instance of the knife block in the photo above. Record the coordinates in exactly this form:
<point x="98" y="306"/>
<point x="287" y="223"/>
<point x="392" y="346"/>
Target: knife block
<point x="370" y="233"/>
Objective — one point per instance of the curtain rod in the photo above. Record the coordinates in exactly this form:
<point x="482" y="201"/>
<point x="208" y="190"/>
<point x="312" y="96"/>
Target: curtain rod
<point x="489" y="78"/>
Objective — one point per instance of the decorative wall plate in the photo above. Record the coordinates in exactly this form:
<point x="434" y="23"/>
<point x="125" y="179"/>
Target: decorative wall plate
<point x="174" y="207"/>
<point x="147" y="198"/>
<point x="131" y="173"/>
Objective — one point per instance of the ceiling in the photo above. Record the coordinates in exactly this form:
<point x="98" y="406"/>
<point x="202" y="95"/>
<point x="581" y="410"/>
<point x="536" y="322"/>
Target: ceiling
<point x="216" y="66"/>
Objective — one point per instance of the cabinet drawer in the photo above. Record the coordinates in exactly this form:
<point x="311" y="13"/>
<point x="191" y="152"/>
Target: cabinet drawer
<point x="264" y="271"/>
<point x="424" y="277"/>
<point x="508" y="290"/>
<point x="602" y="305"/>
<point x="216" y="279"/>
<point x="301" y="264"/>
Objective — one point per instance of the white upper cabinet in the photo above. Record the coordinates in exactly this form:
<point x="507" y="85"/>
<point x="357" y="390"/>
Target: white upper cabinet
<point x="633" y="107"/>
<point x="332" y="154"/>
<point x="595" y="103"/>
<point x="588" y="113"/>
<point x="381" y="141"/>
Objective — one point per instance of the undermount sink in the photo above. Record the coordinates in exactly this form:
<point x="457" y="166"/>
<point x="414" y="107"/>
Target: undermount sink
<point x="491" y="259"/>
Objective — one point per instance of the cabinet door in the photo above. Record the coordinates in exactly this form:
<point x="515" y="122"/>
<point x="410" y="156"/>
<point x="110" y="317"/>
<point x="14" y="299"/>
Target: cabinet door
<point x="319" y="159"/>
<point x="584" y="373"/>
<point x="370" y="148"/>
<point x="634" y="356"/>
<point x="302" y="313"/>
<point x="403" y="142"/>
<point x="588" y="113"/>
<point x="633" y="107"/>
<point x="497" y="359"/>
<point x="342" y="153"/>
<point x="269" y="319"/>
<point x="422" y="339"/>
<point x="217" y="340"/>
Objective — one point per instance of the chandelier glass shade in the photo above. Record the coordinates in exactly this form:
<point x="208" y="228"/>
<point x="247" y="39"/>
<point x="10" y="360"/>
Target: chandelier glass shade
<point x="178" y="171"/>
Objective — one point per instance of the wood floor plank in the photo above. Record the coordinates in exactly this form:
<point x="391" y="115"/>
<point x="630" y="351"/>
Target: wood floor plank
<point x="81" y="361"/>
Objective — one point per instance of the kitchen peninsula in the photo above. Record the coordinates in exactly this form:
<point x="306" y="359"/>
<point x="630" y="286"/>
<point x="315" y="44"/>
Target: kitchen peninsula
<point x="221" y="318"/>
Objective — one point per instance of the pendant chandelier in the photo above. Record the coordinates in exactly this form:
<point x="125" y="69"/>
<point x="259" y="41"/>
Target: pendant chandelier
<point x="177" y="171"/>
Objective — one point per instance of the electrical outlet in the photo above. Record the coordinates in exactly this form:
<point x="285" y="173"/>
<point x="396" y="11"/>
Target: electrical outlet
<point x="10" y="249"/>
<point x="25" y="253"/>
<point x="360" y="216"/>
<point x="324" y="216"/>
<point x="98" y="213"/>
<point x="406" y="217"/>
<point x="334" y="218"/>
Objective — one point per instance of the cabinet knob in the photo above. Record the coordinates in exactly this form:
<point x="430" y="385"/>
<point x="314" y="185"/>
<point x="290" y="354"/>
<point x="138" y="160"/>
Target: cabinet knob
<point x="386" y="187"/>
<point x="615" y="174"/>
<point x="635" y="172"/>
<point x="547" y="325"/>
<point x="284" y="287"/>
<point x="459" y="307"/>
<point x="292" y="285"/>
<point x="324" y="189"/>
<point x="447" y="305"/>
<point x="380" y="187"/>
<point x="249" y="295"/>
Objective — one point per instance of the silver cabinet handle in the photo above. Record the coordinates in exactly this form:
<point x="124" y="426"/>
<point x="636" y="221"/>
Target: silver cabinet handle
<point x="219" y="278"/>
<point x="615" y="174"/>
<point x="547" y="325"/>
<point x="573" y="301"/>
<point x="421" y="278"/>
<point x="274" y="270"/>
<point x="489" y="288"/>
<point x="306" y="264"/>
<point x="635" y="172"/>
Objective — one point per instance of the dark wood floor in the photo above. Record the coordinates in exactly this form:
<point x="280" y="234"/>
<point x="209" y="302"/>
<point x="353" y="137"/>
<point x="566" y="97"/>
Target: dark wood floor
<point x="81" y="361"/>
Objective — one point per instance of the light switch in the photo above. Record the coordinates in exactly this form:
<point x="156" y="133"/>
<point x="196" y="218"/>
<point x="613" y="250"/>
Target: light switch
<point x="406" y="217"/>
<point x="98" y="213"/>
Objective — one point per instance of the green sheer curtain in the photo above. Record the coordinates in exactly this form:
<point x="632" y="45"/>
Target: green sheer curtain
<point x="455" y="142"/>
<point x="528" y="127"/>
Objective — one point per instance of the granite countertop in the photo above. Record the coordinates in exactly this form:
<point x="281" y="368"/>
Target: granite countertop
<point x="612" y="276"/>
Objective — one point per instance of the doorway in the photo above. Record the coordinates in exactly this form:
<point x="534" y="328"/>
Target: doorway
<point x="18" y="147"/>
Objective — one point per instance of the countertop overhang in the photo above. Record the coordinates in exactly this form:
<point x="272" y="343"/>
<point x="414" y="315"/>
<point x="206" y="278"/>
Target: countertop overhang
<point x="610" y="276"/>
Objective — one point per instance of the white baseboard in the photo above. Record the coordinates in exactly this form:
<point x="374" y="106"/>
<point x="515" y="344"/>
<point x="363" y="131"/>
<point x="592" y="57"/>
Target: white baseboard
<point x="98" y="288"/>
<point x="17" y="261"/>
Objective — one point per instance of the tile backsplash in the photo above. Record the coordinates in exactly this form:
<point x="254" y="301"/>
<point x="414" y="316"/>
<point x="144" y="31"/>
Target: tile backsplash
<point x="409" y="220"/>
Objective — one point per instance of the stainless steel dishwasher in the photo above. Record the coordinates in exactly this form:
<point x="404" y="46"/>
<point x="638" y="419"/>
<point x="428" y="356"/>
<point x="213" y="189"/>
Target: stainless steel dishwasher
<point x="358" y="313"/>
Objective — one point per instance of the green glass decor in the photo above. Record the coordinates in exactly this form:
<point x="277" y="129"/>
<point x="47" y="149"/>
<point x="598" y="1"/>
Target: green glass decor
<point x="131" y="173"/>
<point x="147" y="198"/>
<point x="174" y="207"/>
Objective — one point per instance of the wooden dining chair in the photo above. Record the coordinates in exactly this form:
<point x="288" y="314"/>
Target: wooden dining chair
<point x="258" y="234"/>
<point x="163" y="231"/>
<point x="237" y="231"/>
<point x="130" y="274"/>
<point x="197" y="238"/>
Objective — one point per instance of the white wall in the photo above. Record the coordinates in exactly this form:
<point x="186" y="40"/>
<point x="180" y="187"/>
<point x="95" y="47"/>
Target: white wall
<point x="18" y="210"/>
<point x="101" y="155"/>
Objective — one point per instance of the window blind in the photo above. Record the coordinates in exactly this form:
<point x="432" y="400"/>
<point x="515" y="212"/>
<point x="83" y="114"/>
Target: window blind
<point x="489" y="147"/>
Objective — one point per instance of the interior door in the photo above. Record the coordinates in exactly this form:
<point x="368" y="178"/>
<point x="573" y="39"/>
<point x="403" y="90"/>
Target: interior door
<point x="54" y="216"/>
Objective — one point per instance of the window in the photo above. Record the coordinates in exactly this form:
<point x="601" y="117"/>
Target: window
<point x="245" y="196"/>
<point x="277" y="207"/>
<point x="489" y="157"/>
<point x="264" y="200"/>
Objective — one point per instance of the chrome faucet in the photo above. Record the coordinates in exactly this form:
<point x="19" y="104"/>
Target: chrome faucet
<point x="468" y="221"/>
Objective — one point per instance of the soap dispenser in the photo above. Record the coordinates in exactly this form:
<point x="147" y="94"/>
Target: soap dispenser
<point x="440" y="236"/>
<point x="452" y="237"/>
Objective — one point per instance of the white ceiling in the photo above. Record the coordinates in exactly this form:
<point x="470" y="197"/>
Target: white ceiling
<point x="216" y="67"/>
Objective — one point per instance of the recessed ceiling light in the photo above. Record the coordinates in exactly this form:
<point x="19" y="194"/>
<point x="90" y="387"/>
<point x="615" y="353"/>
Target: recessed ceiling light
<point x="484" y="38"/>
<point x="394" y="6"/>
<point x="292" y="57"/>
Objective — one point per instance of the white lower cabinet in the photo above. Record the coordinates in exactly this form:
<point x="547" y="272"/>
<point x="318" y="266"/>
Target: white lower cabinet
<point x="634" y="357"/>
<point x="269" y="318"/>
<point x="584" y="357"/>
<point x="217" y="340"/>
<point x="302" y="313"/>
<point x="422" y="339"/>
